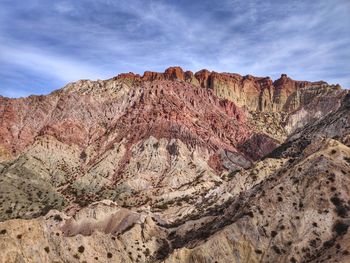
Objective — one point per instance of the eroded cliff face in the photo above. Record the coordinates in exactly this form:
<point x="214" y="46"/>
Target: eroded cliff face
<point x="254" y="93"/>
<point x="176" y="167"/>
<point x="285" y="103"/>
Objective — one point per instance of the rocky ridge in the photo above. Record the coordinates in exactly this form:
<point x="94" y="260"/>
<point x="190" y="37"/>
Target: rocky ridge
<point x="176" y="167"/>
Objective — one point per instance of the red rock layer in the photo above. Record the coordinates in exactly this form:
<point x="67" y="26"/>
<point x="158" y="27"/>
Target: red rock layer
<point x="255" y="93"/>
<point x="174" y="104"/>
<point x="162" y="109"/>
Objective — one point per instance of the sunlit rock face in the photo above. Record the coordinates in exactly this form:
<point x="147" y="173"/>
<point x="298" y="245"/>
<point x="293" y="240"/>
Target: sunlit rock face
<point x="176" y="167"/>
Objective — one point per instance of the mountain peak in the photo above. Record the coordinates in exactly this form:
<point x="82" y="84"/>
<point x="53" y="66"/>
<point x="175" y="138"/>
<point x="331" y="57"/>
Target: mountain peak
<point x="168" y="167"/>
<point x="254" y="93"/>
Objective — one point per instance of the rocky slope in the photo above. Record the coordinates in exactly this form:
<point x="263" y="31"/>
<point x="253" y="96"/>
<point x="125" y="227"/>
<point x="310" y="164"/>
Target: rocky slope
<point x="176" y="167"/>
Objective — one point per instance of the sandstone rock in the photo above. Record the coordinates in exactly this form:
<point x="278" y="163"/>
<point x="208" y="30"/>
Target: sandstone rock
<point x="176" y="167"/>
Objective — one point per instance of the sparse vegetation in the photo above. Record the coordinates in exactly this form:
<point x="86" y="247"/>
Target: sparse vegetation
<point x="276" y="249"/>
<point x="57" y="218"/>
<point x="81" y="249"/>
<point x="83" y="155"/>
<point x="341" y="207"/>
<point x="260" y="199"/>
<point x="232" y="174"/>
<point x="340" y="228"/>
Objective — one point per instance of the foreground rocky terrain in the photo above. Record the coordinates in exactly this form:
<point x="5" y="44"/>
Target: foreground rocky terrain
<point x="177" y="167"/>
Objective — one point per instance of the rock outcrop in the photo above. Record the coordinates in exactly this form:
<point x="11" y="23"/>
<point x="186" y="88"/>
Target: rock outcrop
<point x="255" y="93"/>
<point x="176" y="167"/>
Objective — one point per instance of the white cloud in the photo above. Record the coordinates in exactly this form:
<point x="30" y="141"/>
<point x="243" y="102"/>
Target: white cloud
<point x="100" y="38"/>
<point x="63" y="7"/>
<point x="48" y="64"/>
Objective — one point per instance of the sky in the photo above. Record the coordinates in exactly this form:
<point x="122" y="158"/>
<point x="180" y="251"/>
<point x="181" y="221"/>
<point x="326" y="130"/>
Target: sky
<point x="46" y="44"/>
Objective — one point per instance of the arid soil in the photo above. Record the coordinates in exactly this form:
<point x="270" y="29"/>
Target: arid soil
<point x="177" y="167"/>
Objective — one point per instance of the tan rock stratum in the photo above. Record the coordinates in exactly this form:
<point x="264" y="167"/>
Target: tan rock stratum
<point x="177" y="167"/>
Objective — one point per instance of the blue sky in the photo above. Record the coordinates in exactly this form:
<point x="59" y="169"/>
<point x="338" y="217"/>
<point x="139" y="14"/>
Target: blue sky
<point x="46" y="44"/>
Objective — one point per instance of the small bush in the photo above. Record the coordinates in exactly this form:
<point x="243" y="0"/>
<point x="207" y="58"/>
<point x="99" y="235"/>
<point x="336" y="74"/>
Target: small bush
<point x="250" y="214"/>
<point x="9" y="211"/>
<point x="83" y="155"/>
<point x="340" y="228"/>
<point x="273" y="233"/>
<point x="328" y="243"/>
<point x="336" y="200"/>
<point x="276" y="249"/>
<point x="57" y="218"/>
<point x="232" y="174"/>
<point x="340" y="207"/>
<point x="81" y="249"/>
<point x="162" y="206"/>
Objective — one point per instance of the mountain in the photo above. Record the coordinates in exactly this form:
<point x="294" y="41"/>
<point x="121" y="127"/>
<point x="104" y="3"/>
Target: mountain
<point x="177" y="167"/>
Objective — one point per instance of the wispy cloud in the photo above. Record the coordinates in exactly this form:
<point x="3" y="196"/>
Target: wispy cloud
<point x="49" y="64"/>
<point x="46" y="45"/>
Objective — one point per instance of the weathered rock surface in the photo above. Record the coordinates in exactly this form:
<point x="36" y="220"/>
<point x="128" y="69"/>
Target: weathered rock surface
<point x="176" y="167"/>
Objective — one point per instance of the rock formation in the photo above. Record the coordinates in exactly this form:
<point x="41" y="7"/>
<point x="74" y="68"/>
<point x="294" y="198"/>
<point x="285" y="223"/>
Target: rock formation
<point x="176" y="167"/>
